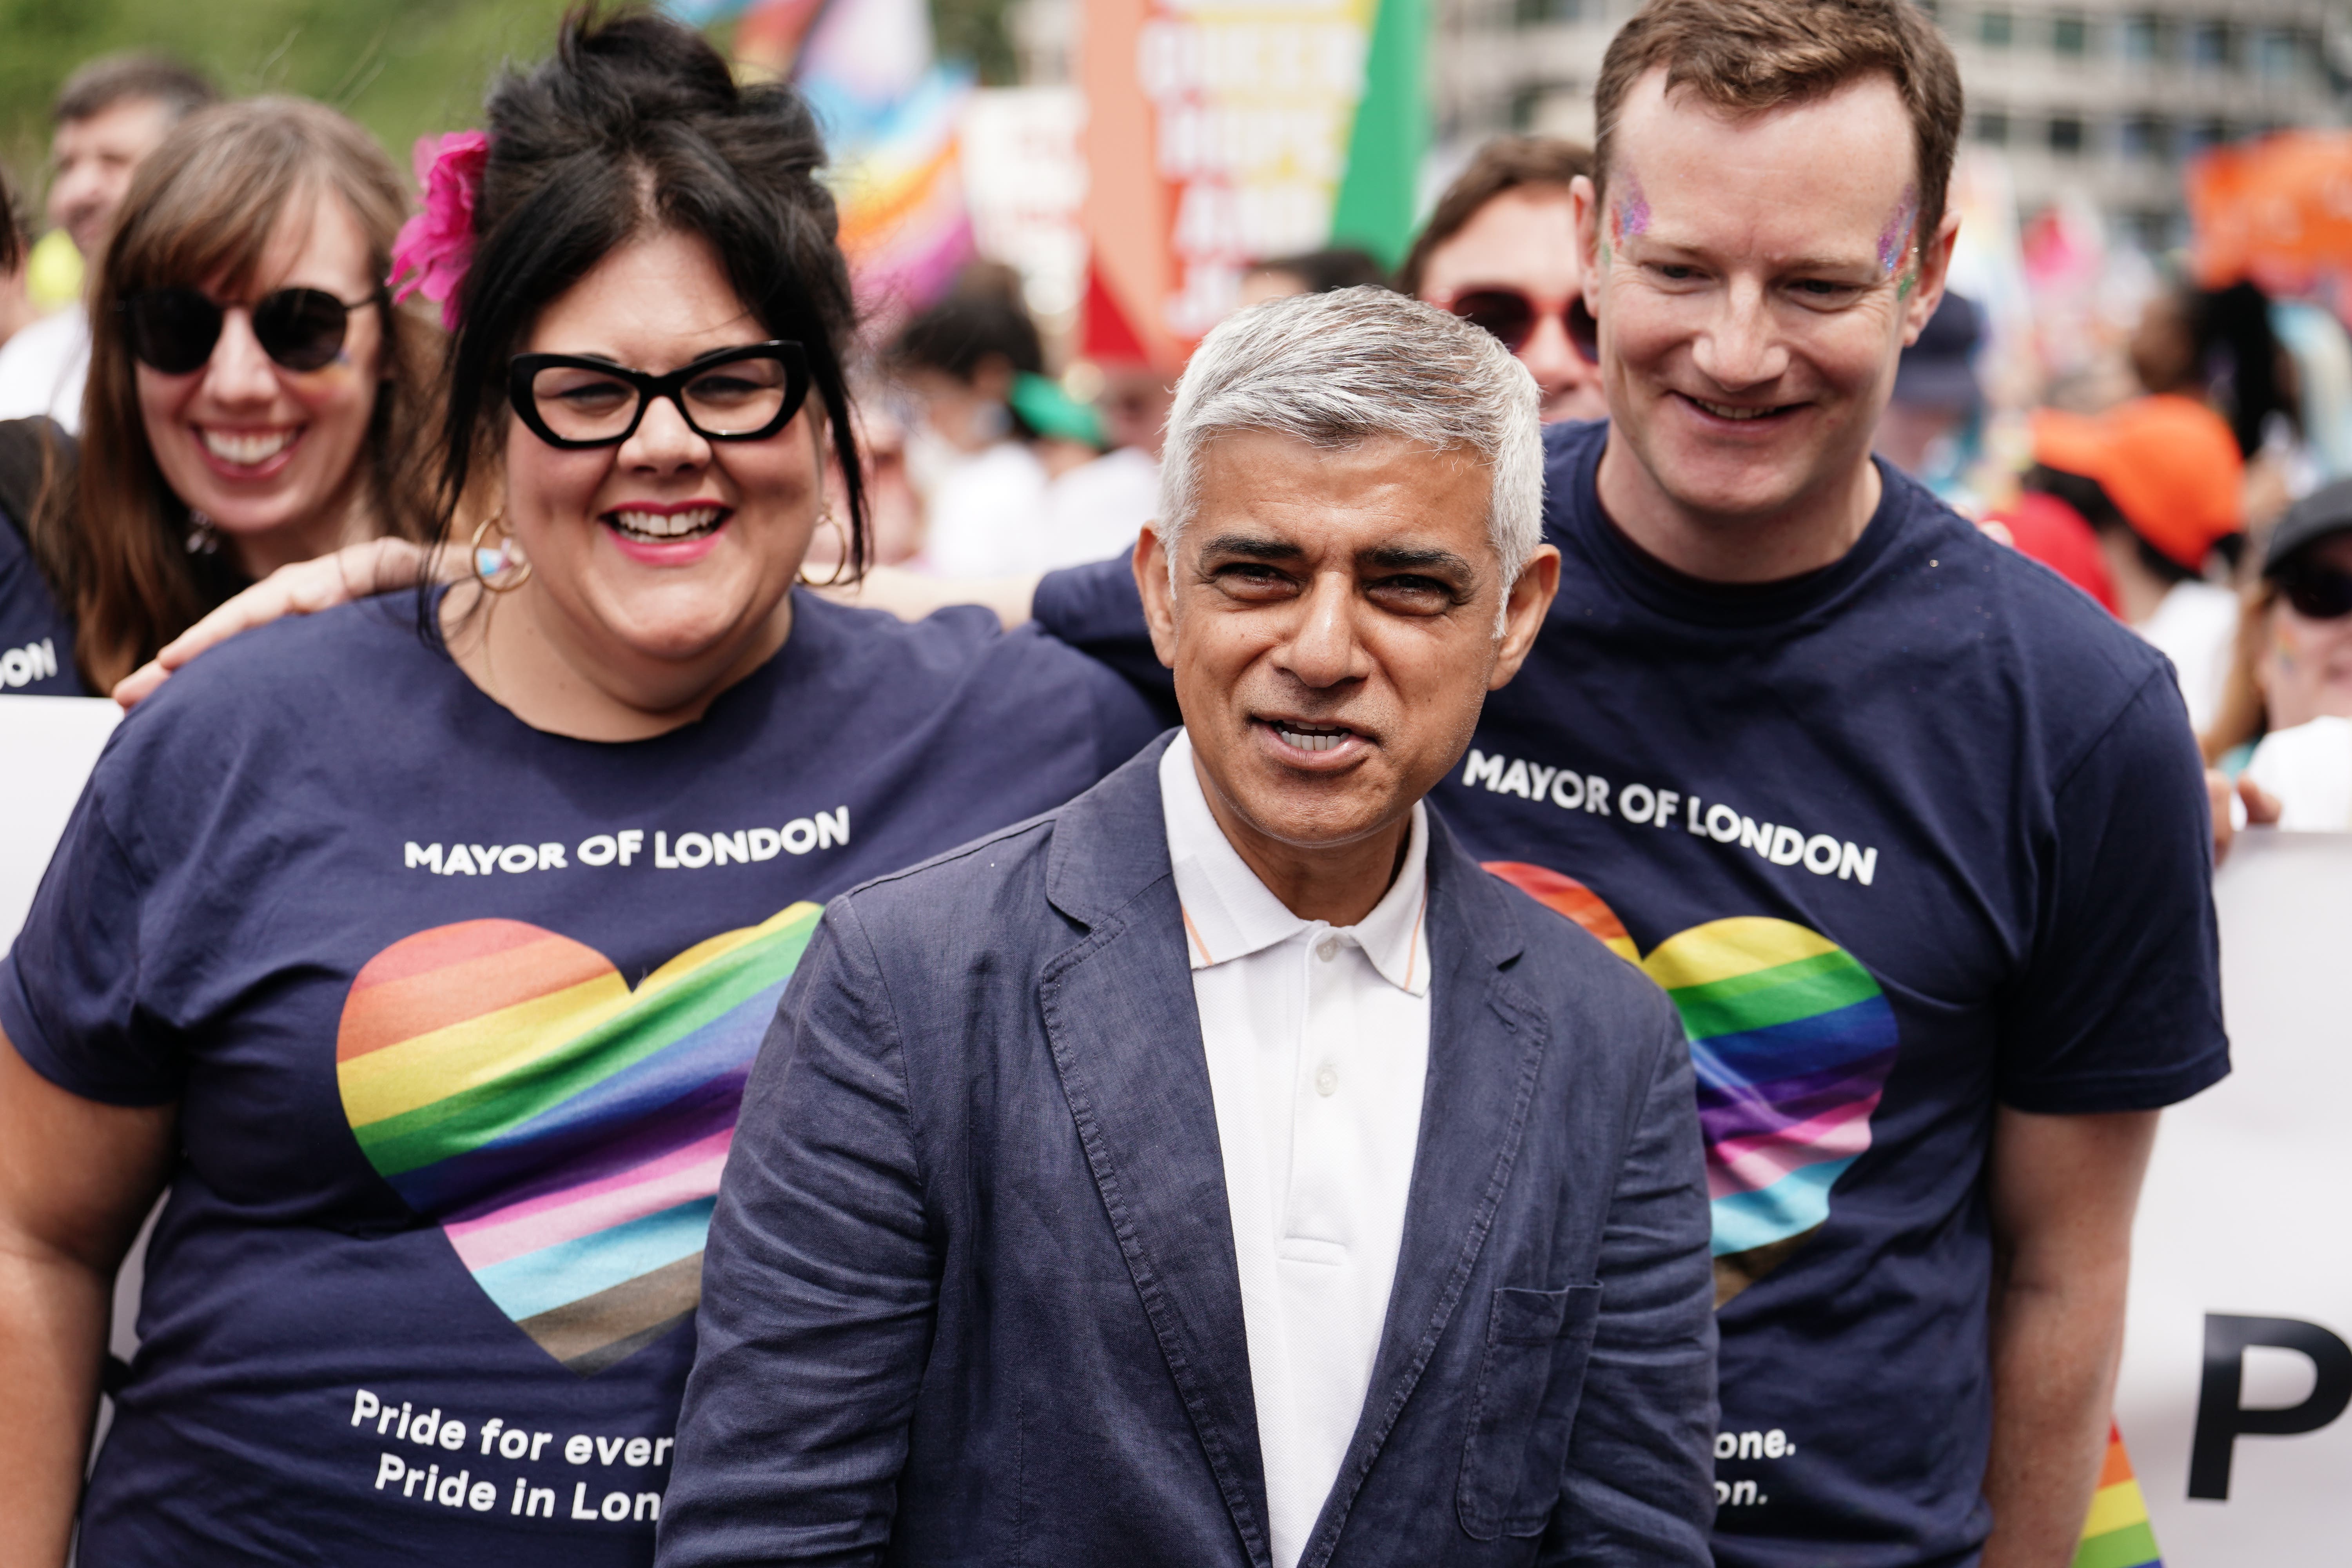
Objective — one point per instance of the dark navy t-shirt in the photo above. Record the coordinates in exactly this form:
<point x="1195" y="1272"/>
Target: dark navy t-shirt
<point x="36" y="638"/>
<point x="458" y="1015"/>
<point x="1922" y="833"/>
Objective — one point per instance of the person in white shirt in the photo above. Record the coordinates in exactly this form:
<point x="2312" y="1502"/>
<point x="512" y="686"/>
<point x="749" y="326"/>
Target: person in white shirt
<point x="2289" y="696"/>
<point x="109" y="116"/>
<point x="1224" y="1168"/>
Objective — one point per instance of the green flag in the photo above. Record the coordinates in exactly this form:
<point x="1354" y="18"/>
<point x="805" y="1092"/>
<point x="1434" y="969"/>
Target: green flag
<point x="1375" y="205"/>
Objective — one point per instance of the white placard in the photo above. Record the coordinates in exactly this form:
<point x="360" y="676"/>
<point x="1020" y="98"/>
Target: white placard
<point x="2240" y="1238"/>
<point x="48" y="746"/>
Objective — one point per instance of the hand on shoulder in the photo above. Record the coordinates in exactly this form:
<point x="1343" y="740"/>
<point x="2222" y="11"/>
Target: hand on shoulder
<point x="304" y="588"/>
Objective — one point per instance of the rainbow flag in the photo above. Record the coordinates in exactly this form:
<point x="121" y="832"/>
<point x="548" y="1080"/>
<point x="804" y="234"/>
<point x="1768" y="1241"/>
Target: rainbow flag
<point x="2117" y="1534"/>
<point x="566" y="1131"/>
<point x="891" y="115"/>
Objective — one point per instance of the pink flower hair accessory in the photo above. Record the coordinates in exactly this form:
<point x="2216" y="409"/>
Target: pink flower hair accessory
<point x="434" y="247"/>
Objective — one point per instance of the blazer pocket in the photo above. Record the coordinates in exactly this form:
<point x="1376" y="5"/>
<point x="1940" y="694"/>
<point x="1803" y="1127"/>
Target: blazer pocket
<point x="1515" y="1460"/>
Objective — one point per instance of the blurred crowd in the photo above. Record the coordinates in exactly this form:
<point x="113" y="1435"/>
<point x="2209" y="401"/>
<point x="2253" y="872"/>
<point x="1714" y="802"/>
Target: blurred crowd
<point x="992" y="454"/>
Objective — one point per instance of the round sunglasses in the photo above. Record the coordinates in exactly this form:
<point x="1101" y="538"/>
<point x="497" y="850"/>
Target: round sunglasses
<point x="1510" y="315"/>
<point x="2318" y="593"/>
<point x="745" y="394"/>
<point x="175" y="330"/>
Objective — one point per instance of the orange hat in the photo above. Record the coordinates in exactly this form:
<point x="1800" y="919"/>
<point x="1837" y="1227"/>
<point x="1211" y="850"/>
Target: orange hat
<point x="2169" y="463"/>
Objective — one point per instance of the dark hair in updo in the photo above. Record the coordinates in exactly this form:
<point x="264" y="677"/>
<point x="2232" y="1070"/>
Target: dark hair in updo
<point x="638" y="127"/>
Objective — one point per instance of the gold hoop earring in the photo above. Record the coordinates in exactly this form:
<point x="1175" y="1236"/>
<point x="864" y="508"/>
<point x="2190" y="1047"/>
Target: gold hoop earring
<point x="474" y="554"/>
<point x="826" y="519"/>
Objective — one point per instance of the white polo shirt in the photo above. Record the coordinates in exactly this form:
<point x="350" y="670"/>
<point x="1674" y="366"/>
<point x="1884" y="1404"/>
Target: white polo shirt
<point x="1318" y="1043"/>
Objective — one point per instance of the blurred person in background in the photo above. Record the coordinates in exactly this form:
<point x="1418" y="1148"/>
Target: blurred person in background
<point x="2160" y="482"/>
<point x="109" y="116"/>
<point x="422" y="948"/>
<point x="1932" y="428"/>
<point x="2218" y="347"/>
<point x="2286" y="717"/>
<point x="254" y="397"/>
<point x="35" y="640"/>
<point x="1311" y="272"/>
<point x="979" y="468"/>
<point x="1499" y="250"/>
<point x="18" y="311"/>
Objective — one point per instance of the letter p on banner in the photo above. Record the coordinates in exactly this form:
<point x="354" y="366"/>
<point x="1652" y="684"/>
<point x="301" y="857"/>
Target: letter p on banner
<point x="2220" y="1418"/>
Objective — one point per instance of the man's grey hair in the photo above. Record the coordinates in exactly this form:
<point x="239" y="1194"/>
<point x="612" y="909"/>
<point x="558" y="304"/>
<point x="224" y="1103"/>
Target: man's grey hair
<point x="1339" y="369"/>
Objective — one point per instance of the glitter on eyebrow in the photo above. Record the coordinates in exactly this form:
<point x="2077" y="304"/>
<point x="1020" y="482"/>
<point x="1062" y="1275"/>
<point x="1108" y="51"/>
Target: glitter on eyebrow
<point x="1895" y="240"/>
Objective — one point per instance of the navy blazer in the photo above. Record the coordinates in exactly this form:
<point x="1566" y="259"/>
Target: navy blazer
<point x="971" y="1295"/>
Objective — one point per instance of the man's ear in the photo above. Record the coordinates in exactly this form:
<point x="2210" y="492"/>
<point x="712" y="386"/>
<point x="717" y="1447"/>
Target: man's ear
<point x="1935" y="267"/>
<point x="1524" y="613"/>
<point x="1158" y="600"/>
<point x="1584" y="206"/>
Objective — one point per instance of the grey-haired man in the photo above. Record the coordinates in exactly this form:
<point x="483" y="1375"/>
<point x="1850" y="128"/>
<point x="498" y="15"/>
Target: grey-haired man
<point x="1223" y="1169"/>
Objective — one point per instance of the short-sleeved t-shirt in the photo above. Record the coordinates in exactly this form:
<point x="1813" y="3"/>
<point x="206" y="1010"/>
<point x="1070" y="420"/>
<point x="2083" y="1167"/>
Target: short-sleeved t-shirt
<point x="458" y="1015"/>
<point x="1921" y="834"/>
<point x="36" y="637"/>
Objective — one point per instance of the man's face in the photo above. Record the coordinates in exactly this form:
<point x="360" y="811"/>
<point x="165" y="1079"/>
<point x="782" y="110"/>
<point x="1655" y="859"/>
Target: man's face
<point x="95" y="160"/>
<point x="1332" y="629"/>
<point x="1756" y="280"/>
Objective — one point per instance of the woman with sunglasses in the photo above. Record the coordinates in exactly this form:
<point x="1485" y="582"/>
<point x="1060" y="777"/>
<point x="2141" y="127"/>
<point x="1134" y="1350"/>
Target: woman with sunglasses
<point x="2286" y="705"/>
<point x="1500" y="250"/>
<point x="428" y="968"/>
<point x="253" y="395"/>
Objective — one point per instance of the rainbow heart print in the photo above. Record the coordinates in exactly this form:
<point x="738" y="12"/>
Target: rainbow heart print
<point x="1791" y="1039"/>
<point x="565" y="1132"/>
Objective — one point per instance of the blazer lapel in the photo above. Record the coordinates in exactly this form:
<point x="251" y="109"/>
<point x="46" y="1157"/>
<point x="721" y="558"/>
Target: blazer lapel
<point x="1486" y="1042"/>
<point x="1125" y="1040"/>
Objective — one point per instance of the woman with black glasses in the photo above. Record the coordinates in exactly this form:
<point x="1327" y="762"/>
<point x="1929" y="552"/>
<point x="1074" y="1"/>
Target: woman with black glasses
<point x="426" y="968"/>
<point x="253" y="394"/>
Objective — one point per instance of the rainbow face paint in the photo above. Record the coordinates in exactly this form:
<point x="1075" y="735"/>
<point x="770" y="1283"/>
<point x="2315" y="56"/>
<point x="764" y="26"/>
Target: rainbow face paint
<point x="1633" y="214"/>
<point x="1894" y="247"/>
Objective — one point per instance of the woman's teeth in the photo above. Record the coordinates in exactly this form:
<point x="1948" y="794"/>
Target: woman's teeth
<point x="246" y="448"/>
<point x="667" y="525"/>
<point x="1311" y="740"/>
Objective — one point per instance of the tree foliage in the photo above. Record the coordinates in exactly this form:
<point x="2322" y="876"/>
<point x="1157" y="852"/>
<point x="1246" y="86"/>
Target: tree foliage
<point x="401" y="68"/>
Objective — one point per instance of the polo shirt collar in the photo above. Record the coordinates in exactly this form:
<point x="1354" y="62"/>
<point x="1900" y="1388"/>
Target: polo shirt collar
<point x="1230" y="915"/>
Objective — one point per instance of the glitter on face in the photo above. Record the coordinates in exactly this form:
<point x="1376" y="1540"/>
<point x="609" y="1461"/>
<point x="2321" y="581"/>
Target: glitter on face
<point x="1632" y="211"/>
<point x="1895" y="239"/>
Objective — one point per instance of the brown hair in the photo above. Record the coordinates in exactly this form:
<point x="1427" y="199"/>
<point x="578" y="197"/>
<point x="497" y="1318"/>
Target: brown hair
<point x="205" y="206"/>
<point x="1505" y="164"/>
<point x="1748" y="57"/>
<point x="111" y="79"/>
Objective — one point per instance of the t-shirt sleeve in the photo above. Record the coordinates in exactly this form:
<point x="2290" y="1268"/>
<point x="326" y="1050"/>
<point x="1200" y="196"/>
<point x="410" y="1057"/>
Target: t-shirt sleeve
<point x="70" y="988"/>
<point x="2119" y="1007"/>
<point x="37" y="655"/>
<point x="1096" y="610"/>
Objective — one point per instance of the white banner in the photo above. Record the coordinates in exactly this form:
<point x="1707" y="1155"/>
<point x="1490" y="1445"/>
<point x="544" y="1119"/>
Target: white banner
<point x="48" y="746"/>
<point x="2236" y="1368"/>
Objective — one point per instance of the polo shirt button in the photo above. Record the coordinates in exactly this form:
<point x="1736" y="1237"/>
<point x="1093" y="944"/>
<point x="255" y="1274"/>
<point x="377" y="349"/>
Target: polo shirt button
<point x="1327" y="950"/>
<point x="1326" y="1080"/>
